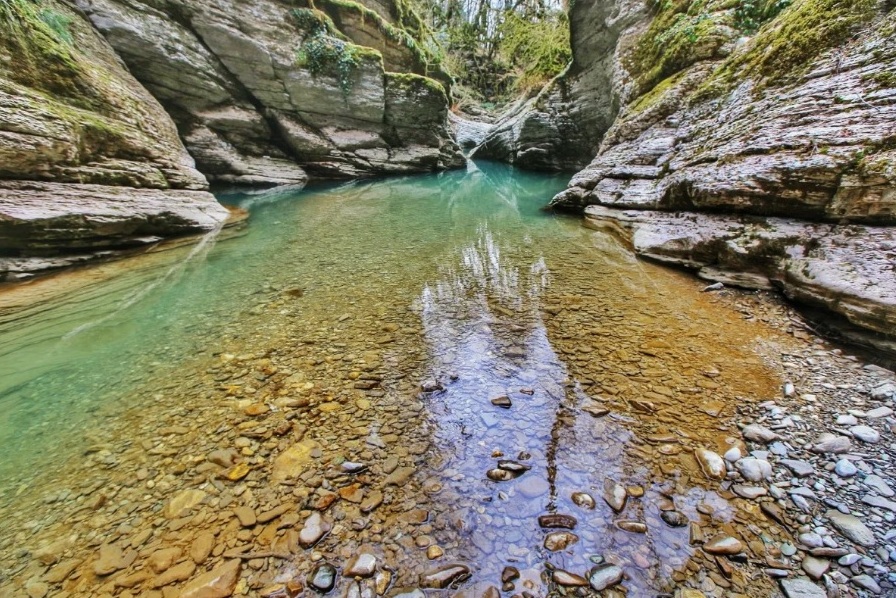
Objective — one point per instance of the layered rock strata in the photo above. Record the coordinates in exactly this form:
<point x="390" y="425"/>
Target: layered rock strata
<point x="787" y="138"/>
<point x="89" y="161"/>
<point x="273" y="92"/>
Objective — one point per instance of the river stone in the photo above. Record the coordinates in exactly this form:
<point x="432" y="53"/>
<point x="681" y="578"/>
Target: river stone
<point x="202" y="547"/>
<point x="845" y="469"/>
<point x="162" y="559"/>
<point x="110" y="559"/>
<point x="753" y="469"/>
<point x="514" y="467"/>
<point x="713" y="465"/>
<point x="751" y="492"/>
<point x="811" y="540"/>
<point x="323" y="577"/>
<point x="363" y="565"/>
<point x="314" y="529"/>
<point x="852" y="528"/>
<point x="722" y="544"/>
<point x="445" y="576"/>
<point x="532" y="486"/>
<point x="615" y="495"/>
<point x="292" y="462"/>
<point x="399" y="477"/>
<point x="866" y="582"/>
<point x="815" y="567"/>
<point x="499" y="475"/>
<point x="877" y="483"/>
<point x="583" y="499"/>
<point x="635" y="527"/>
<point x="865" y="434"/>
<point x="557" y="520"/>
<point x="800" y="469"/>
<point x="885" y="390"/>
<point x="732" y="454"/>
<point x="831" y="443"/>
<point x="849" y="559"/>
<point x="758" y="433"/>
<point x="801" y="587"/>
<point x="217" y="583"/>
<point x="674" y="518"/>
<point x="567" y="579"/>
<point x="847" y="420"/>
<point x="879" y="412"/>
<point x="503" y="401"/>
<point x="555" y="541"/>
<point x="180" y="572"/>
<point x="181" y="504"/>
<point x="880" y="502"/>
<point x="605" y="576"/>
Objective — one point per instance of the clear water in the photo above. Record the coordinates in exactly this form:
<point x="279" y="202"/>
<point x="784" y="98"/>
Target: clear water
<point x="459" y="278"/>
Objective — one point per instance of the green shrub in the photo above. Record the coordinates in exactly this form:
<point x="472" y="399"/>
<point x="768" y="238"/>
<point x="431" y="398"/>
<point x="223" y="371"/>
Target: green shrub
<point x="536" y="49"/>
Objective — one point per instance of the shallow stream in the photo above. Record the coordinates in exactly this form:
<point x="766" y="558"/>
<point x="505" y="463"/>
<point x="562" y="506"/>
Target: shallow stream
<point x="143" y="401"/>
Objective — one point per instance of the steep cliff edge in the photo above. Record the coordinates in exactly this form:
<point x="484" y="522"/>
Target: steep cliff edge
<point x="796" y="122"/>
<point x="273" y="91"/>
<point x="561" y="127"/>
<point x="89" y="161"/>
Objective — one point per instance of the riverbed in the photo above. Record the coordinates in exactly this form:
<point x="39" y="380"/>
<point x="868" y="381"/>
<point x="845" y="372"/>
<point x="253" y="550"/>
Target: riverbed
<point x="429" y="371"/>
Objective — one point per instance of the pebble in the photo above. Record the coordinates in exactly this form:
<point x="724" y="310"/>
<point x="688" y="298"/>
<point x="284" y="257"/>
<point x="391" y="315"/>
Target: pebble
<point x="879" y="485"/>
<point x="314" y="529"/>
<point x="605" y="576"/>
<point x="758" y="433"/>
<point x="852" y="528"/>
<point x="445" y="576"/>
<point x="723" y="544"/>
<point x="556" y="541"/>
<point x="567" y="579"/>
<point x="583" y="499"/>
<point x="323" y="577"/>
<point x="865" y="434"/>
<point x="713" y="465"/>
<point x="800" y="469"/>
<point x="831" y="443"/>
<point x="753" y="469"/>
<point x="845" y="469"/>
<point x="219" y="582"/>
<point x="362" y="565"/>
<point x="801" y="587"/>
<point x="615" y="495"/>
<point x="815" y="567"/>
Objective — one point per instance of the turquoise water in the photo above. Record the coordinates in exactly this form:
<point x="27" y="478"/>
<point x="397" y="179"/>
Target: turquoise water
<point x="328" y="311"/>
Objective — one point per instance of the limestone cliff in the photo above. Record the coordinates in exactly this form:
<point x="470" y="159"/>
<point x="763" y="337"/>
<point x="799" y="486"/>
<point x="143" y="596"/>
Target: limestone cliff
<point x="561" y="127"/>
<point x="272" y="91"/>
<point x="89" y="161"/>
<point x="796" y="121"/>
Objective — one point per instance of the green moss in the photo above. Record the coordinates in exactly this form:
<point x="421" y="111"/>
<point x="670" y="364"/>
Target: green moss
<point x="652" y="97"/>
<point x="324" y="54"/>
<point x="884" y="79"/>
<point x="681" y="33"/>
<point x="402" y="35"/>
<point x="785" y="47"/>
<point x="411" y="80"/>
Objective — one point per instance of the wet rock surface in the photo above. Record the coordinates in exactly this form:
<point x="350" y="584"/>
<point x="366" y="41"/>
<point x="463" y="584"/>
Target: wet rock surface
<point x="187" y="485"/>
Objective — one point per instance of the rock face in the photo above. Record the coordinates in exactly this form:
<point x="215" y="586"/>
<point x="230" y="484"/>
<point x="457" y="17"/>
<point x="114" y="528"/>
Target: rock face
<point x="561" y="127"/>
<point x="763" y="161"/>
<point x="269" y="92"/>
<point x="89" y="161"/>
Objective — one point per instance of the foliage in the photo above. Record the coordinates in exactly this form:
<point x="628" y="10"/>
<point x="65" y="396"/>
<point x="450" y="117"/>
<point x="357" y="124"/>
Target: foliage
<point x="786" y="46"/>
<point x="751" y="14"/>
<point x="323" y="54"/>
<point x="30" y="23"/>
<point x="495" y="48"/>
<point x="535" y="49"/>
<point x="681" y="33"/>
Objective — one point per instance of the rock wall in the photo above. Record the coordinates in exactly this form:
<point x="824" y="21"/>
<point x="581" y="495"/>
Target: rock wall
<point x="796" y="122"/>
<point x="561" y="127"/>
<point x="272" y="92"/>
<point x="76" y="131"/>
